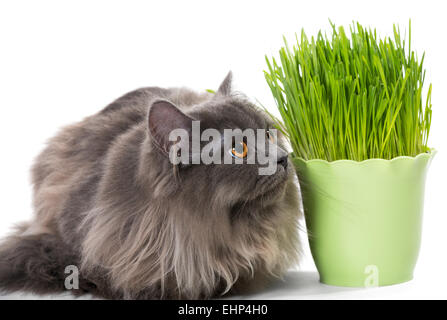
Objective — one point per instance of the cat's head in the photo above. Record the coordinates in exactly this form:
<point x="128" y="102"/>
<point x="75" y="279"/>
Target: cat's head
<point x="224" y="151"/>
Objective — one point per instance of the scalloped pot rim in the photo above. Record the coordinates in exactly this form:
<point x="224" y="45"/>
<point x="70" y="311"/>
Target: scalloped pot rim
<point x="427" y="155"/>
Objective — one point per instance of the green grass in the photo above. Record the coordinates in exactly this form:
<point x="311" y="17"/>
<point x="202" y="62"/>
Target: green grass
<point x="356" y="97"/>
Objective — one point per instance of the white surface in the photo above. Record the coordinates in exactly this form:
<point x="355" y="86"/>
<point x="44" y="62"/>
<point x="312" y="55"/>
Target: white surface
<point x="305" y="285"/>
<point x="61" y="61"/>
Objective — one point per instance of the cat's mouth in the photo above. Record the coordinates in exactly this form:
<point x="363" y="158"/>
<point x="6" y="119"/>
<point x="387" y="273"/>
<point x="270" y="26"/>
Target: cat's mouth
<point x="270" y="187"/>
<point x="267" y="190"/>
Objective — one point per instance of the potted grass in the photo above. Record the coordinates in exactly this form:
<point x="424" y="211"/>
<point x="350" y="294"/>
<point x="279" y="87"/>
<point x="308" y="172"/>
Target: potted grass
<point x="358" y="121"/>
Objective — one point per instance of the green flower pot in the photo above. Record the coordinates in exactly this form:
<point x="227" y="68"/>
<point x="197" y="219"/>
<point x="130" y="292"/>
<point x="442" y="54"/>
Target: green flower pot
<point x="364" y="219"/>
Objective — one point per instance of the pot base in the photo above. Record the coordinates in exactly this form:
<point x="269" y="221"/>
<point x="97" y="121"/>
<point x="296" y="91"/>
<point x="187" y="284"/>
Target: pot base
<point x="349" y="283"/>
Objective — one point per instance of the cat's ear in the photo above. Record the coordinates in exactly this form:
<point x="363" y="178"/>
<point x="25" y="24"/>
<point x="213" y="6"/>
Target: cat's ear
<point x="225" y="86"/>
<point x="163" y="118"/>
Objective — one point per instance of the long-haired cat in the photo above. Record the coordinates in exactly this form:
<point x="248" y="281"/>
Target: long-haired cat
<point x="109" y="201"/>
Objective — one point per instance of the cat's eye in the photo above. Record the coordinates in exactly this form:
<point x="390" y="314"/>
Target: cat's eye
<point x="240" y="150"/>
<point x="270" y="136"/>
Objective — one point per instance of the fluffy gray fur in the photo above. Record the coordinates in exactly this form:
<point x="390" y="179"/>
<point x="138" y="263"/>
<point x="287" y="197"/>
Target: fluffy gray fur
<point x="108" y="200"/>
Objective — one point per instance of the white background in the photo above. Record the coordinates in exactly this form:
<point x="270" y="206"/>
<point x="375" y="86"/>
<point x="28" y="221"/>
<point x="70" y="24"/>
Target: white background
<point x="63" y="60"/>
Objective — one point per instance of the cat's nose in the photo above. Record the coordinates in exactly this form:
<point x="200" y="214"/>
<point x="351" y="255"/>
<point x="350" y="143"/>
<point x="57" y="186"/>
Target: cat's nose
<point x="283" y="161"/>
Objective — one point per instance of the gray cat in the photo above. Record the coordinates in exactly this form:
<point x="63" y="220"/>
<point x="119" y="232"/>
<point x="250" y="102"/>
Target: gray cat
<point x="108" y="200"/>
